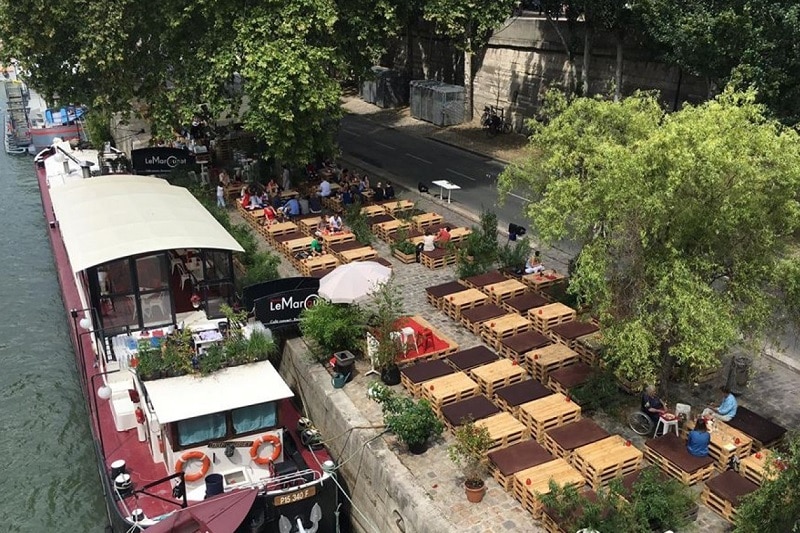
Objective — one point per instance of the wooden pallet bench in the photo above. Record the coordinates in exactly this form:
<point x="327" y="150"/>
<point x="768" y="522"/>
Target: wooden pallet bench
<point x="541" y="361"/>
<point x="364" y="253"/>
<point x="318" y="263"/>
<point x="723" y="493"/>
<point x="280" y="228"/>
<point x="397" y="207"/>
<point x="590" y="347"/>
<point x="454" y="304"/>
<point x="372" y="210"/>
<point x="606" y="459"/>
<point x="413" y="377"/>
<point x="510" y="397"/>
<point x="563" y="440"/>
<point x="759" y="466"/>
<point x="475" y="408"/>
<point x="474" y="318"/>
<point x="567" y="333"/>
<point x="319" y="274"/>
<point x="374" y="220"/>
<point x="425" y="220"/>
<point x="386" y="230"/>
<point x="449" y="389"/>
<point x="568" y="377"/>
<point x="726" y="443"/>
<point x="516" y="346"/>
<point x="531" y="482"/>
<point x="501" y="373"/>
<point x="504" y="290"/>
<point x="438" y="258"/>
<point x="293" y="246"/>
<point x="435" y="293"/>
<point x="337" y="238"/>
<point x="524" y="303"/>
<point x="547" y="413"/>
<point x="506" y="462"/>
<point x="466" y="360"/>
<point x="482" y="280"/>
<point x="338" y="248"/>
<point x="540" y="281"/>
<point x="309" y="225"/>
<point x="504" y="430"/>
<point x="670" y="455"/>
<point x="504" y="326"/>
<point x="547" y="316"/>
<point x="459" y="234"/>
<point x="764" y="432"/>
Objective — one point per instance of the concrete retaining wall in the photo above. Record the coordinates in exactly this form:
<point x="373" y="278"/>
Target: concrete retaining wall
<point x="382" y="489"/>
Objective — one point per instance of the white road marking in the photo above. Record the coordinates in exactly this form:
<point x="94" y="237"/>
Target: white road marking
<point x="385" y="145"/>
<point x="418" y="158"/>
<point x="460" y="174"/>
<point x="354" y="134"/>
<point x="520" y="197"/>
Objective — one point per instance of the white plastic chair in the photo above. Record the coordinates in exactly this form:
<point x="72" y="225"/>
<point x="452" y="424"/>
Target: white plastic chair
<point x="185" y="276"/>
<point x="683" y="409"/>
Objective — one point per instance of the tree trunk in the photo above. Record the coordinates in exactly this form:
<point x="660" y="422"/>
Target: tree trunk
<point x="569" y="54"/>
<point x="409" y="51"/>
<point x="677" y="100"/>
<point x="587" y="56"/>
<point x="468" y="83"/>
<point x="667" y="362"/>
<point x="618" y="72"/>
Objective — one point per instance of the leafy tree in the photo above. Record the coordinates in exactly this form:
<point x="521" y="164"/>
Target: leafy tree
<point x="684" y="221"/>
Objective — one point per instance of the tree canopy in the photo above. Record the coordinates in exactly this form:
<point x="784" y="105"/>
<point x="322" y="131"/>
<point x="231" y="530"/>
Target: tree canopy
<point x="684" y="221"/>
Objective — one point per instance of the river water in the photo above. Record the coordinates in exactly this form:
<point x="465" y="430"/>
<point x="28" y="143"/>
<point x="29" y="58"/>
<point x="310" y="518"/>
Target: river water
<point x="48" y="473"/>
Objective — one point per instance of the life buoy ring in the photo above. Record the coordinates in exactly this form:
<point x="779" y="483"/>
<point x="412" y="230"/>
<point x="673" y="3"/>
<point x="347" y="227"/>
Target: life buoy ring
<point x="188" y="456"/>
<point x="263" y="439"/>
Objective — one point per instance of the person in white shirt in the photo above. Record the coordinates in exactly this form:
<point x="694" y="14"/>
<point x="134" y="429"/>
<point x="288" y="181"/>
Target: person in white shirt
<point x="220" y="195"/>
<point x="325" y="188"/>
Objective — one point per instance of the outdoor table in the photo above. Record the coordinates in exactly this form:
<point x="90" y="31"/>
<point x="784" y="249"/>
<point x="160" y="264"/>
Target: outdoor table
<point x="386" y="230"/>
<point x="547" y="413"/>
<point x="475" y="408"/>
<point x="499" y="328"/>
<point x="449" y="389"/>
<point x="568" y="377"/>
<point x="564" y="440"/>
<point x="547" y="316"/>
<point x="524" y="303"/>
<point x="426" y="219"/>
<point x="670" y="454"/>
<point x="516" y="346"/>
<point x="364" y="253"/>
<point x="503" y="464"/>
<point x="539" y="281"/>
<point x="296" y="245"/>
<point x="372" y="210"/>
<point x="308" y="225"/>
<point x="444" y="184"/>
<point x="320" y="262"/>
<point x="437" y="292"/>
<point x="504" y="290"/>
<point x="482" y="280"/>
<point x="754" y="467"/>
<point x="726" y="442"/>
<point x="606" y="459"/>
<point x="723" y="493"/>
<point x="459" y="234"/>
<point x="414" y="376"/>
<point x="498" y="374"/>
<point x="511" y="397"/>
<point x="541" y="361"/>
<point x="589" y="347"/>
<point x="504" y="429"/>
<point x="568" y="332"/>
<point x="287" y="194"/>
<point x="534" y="481"/>
<point x="453" y="304"/>
<point x="337" y="238"/>
<point x="465" y="360"/>
<point x="398" y="206"/>
<point x="474" y="317"/>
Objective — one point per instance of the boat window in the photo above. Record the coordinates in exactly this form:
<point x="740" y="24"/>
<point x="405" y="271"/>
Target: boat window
<point x="254" y="417"/>
<point x="201" y="429"/>
<point x="218" y="265"/>
<point x="152" y="272"/>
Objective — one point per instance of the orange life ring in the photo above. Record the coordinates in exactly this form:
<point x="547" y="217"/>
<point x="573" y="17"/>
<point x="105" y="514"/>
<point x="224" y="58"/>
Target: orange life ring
<point x="188" y="456"/>
<point x="263" y="439"/>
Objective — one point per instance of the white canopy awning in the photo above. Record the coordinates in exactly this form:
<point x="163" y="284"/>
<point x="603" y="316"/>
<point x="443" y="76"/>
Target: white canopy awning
<point x="111" y="217"/>
<point x="186" y="397"/>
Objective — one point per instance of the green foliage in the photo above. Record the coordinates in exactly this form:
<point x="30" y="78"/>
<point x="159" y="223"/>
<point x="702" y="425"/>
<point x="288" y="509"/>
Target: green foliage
<point x="574" y="511"/>
<point x="469" y="24"/>
<point x="332" y="328"/>
<point x="212" y="360"/>
<point x="599" y="392"/>
<point x="514" y="254"/>
<point x="385" y="308"/>
<point x="661" y="502"/>
<point x="357" y="222"/>
<point x="412" y="421"/>
<point x="468" y="452"/>
<point x="247" y="239"/>
<point x="98" y="127"/>
<point x="479" y="251"/>
<point x="264" y="267"/>
<point x="775" y="506"/>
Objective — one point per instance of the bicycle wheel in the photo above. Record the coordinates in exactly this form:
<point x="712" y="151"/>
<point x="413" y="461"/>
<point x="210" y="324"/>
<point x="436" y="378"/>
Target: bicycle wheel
<point x="640" y="423"/>
<point x="506" y="127"/>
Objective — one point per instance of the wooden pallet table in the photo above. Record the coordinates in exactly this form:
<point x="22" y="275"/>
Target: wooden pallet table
<point x="504" y="290"/>
<point x="759" y="466"/>
<point x="550" y="315"/>
<point x="670" y="455"/>
<point x="308" y="225"/>
<point x="562" y="441"/>
<point x="509" y="398"/>
<point x="568" y="377"/>
<point x="482" y="280"/>
<point x="506" y="462"/>
<point x="726" y="442"/>
<point x="449" y="389"/>
<point x="548" y="413"/>
<point x="466" y="360"/>
<point x="524" y="303"/>
<point x="504" y="326"/>
<point x="425" y="220"/>
<point x="473" y="318"/>
<point x="590" y="347"/>
<point x="437" y="292"/>
<point x="459" y="234"/>
<point x="291" y="247"/>
<point x="337" y="238"/>
<point x="531" y="482"/>
<point x="475" y="408"/>
<point x="501" y="373"/>
<point x="364" y="253"/>
<point x="374" y="220"/>
<point x="516" y="346"/>
<point x="764" y="432"/>
<point x="568" y="332"/>
<point x="504" y="430"/>
<point x="444" y="345"/>
<point x="542" y="361"/>
<point x="394" y="208"/>
<point x="280" y="228"/>
<point x="454" y="304"/>
<point x="606" y="459"/>
<point x="438" y="258"/>
<point x="540" y="281"/>
<point x="289" y="194"/>
<point x="386" y="230"/>
<point x="413" y="377"/>
<point x="723" y="493"/>
<point x="314" y="264"/>
<point x="372" y="210"/>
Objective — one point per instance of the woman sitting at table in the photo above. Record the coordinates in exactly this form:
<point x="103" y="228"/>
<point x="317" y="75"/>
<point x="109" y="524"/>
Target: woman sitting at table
<point x="272" y="188"/>
<point x="534" y="264"/>
<point x="246" y="199"/>
<point x="322" y="227"/>
<point x="270" y="215"/>
<point x="335" y="223"/>
<point x="699" y="438"/>
<point x="443" y="237"/>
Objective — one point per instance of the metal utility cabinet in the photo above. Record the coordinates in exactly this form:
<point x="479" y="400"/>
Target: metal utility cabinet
<point x="437" y="102"/>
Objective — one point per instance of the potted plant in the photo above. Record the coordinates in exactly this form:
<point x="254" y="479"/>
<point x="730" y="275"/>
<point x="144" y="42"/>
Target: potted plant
<point x="405" y="251"/>
<point x="469" y="453"/>
<point x="330" y="328"/>
<point x="212" y="359"/>
<point x="149" y="365"/>
<point x="259" y="347"/>
<point x="386" y="309"/>
<point x="413" y="422"/>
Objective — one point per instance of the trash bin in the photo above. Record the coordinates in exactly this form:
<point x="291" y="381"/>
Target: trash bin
<point x="741" y="365"/>
<point x="344" y="364"/>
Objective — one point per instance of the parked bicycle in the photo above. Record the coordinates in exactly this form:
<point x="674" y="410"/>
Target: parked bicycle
<point x="493" y="121"/>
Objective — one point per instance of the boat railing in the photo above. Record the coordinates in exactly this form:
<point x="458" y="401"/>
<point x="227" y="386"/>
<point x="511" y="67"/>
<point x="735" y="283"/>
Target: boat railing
<point x="286" y="482"/>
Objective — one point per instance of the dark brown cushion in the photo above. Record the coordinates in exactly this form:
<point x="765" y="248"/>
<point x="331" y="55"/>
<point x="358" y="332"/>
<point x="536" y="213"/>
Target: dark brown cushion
<point x="522" y="392"/>
<point x="437" y="253"/>
<point x="526" y="302"/>
<point x="489" y="278"/>
<point x="574" y="329"/>
<point x="345" y="246"/>
<point x="525" y="342"/>
<point x="322" y="273"/>
<point x="378" y="219"/>
<point x="674" y="449"/>
<point x="420" y="372"/>
<point x="476" y="408"/>
<point x="289" y="236"/>
<point x="483" y="313"/>
<point x="753" y="424"/>
<point x="381" y="261"/>
<point x="577" y="434"/>
<point x="572" y="375"/>
<point x="731" y="487"/>
<point x="436" y="227"/>
<point x="520" y="456"/>
<point x="477" y="356"/>
<point x="446" y="289"/>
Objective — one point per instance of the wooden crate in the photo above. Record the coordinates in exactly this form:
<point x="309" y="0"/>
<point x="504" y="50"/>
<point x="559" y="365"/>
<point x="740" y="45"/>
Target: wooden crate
<point x="604" y="460"/>
<point x="550" y="315"/>
<point x="320" y="262"/>
<point x="673" y="469"/>
<point x="504" y="290"/>
<point x="504" y="430"/>
<point x="590" y="347"/>
<point x="498" y="374"/>
<point x="547" y="413"/>
<point x="448" y="389"/>
<point x="358" y="254"/>
<point x="502" y="327"/>
<point x="453" y="304"/>
<point x="542" y="280"/>
<point x="394" y="208"/>
<point x="308" y="225"/>
<point x="542" y="361"/>
<point x="438" y="258"/>
<point x="337" y="238"/>
<point x="426" y="220"/>
<point x="531" y="482"/>
<point x="723" y="493"/>
<point x="759" y="466"/>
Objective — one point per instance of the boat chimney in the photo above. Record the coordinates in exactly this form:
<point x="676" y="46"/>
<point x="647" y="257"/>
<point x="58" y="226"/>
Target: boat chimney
<point x="85" y="170"/>
<point x="118" y="467"/>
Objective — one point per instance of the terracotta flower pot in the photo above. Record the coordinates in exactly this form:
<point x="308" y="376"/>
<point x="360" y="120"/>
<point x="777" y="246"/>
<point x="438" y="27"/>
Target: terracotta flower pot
<point x="475" y="495"/>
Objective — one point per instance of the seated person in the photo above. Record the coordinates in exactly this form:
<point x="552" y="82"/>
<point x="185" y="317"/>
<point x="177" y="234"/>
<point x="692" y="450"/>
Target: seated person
<point x="347" y="197"/>
<point x="699" y="438"/>
<point x="427" y="244"/>
<point x="363" y="183"/>
<point x="270" y="215"/>
<point x="291" y="209"/>
<point x="652" y="405"/>
<point x="443" y="237"/>
<point x="255" y="202"/>
<point x="534" y="264"/>
<point x="314" y="205"/>
<point x="726" y="409"/>
<point x="315" y="246"/>
<point x="272" y="188"/>
<point x="388" y="191"/>
<point x="378" y="192"/>
<point x="246" y="200"/>
<point x="336" y="223"/>
<point x="322" y="227"/>
<point x="224" y="179"/>
<point x="303" y="205"/>
<point x="325" y="188"/>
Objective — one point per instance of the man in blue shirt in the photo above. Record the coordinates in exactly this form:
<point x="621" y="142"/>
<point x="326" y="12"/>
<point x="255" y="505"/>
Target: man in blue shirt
<point x="291" y="209"/>
<point x="726" y="410"/>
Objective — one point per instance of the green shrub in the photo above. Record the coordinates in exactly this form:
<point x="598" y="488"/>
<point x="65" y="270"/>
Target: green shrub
<point x="413" y="422"/>
<point x="264" y="267"/>
<point x="332" y="328"/>
<point x="479" y="252"/>
<point x="599" y="392"/>
<point x="661" y="502"/>
<point x="247" y="240"/>
<point x="357" y="222"/>
<point x="514" y="254"/>
<point x="573" y="511"/>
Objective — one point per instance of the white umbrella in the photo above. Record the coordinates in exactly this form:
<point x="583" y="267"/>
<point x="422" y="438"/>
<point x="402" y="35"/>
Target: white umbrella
<point x="353" y="282"/>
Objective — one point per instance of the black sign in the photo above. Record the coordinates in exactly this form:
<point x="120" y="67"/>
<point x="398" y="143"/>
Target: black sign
<point x="160" y="160"/>
<point x="234" y="443"/>
<point x="281" y="301"/>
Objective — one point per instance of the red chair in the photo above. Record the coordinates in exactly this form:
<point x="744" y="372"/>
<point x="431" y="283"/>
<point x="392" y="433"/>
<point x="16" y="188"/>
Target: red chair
<point x="423" y="338"/>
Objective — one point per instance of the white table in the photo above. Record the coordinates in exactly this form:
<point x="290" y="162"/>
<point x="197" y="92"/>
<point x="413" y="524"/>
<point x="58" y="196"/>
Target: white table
<point x="444" y="184"/>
